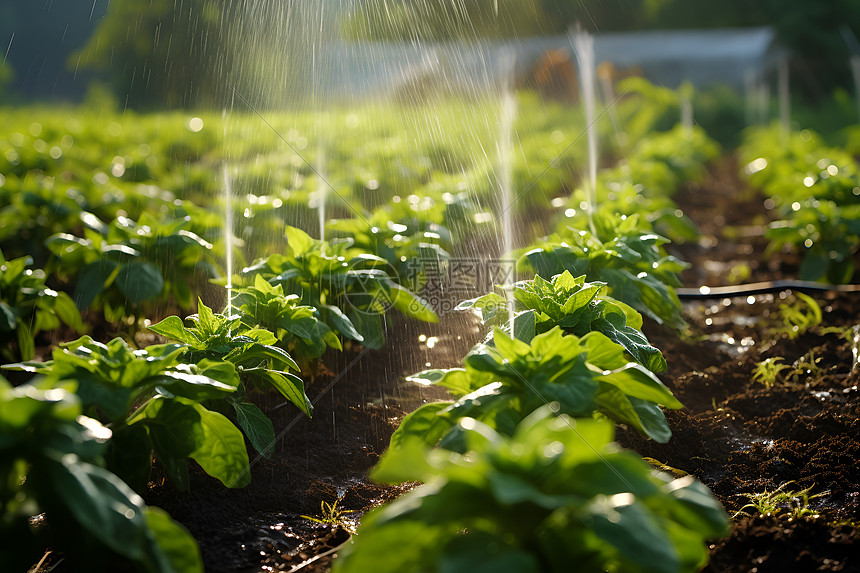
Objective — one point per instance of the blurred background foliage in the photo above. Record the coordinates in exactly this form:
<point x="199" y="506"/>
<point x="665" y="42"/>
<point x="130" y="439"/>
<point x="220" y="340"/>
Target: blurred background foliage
<point x="166" y="53"/>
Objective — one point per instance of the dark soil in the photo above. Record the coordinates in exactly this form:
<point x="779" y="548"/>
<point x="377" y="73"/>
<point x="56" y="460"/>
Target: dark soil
<point x="735" y="434"/>
<point x="359" y="400"/>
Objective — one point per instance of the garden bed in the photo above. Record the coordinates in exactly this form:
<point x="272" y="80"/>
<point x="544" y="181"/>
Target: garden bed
<point x="735" y="434"/>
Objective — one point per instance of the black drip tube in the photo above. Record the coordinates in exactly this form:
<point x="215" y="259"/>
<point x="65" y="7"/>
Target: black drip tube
<point x="706" y="292"/>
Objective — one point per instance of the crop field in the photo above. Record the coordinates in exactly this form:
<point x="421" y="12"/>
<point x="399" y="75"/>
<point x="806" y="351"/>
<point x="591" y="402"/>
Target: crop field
<point x="420" y="337"/>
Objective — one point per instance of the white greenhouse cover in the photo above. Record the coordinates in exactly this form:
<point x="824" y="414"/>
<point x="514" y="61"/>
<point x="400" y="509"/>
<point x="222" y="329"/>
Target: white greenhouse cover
<point x="669" y="57"/>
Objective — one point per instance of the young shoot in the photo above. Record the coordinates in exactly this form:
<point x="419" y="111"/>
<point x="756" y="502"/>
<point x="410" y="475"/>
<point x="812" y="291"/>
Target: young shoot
<point x="769" y="371"/>
<point x="780" y="502"/>
<point x="799" y="315"/>
<point x="331" y="514"/>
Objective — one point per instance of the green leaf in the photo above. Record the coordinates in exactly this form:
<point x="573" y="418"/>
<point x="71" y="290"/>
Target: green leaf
<point x="403" y="464"/>
<point x="221" y="449"/>
<point x="636" y="380"/>
<point x="524" y="326"/>
<point x="425" y="425"/>
<point x="696" y="508"/>
<point x="92" y="281"/>
<point x="303" y="327"/>
<point x="454" y="379"/>
<point x="203" y="386"/>
<point x="257" y="427"/>
<point x="174" y="550"/>
<point x="173" y="328"/>
<point x="66" y="310"/>
<point x="480" y="552"/>
<point x="206" y="318"/>
<point x="298" y="241"/>
<point x="653" y="420"/>
<point x="370" y="325"/>
<point x="105" y="506"/>
<point x="623" y="524"/>
<point x="257" y="352"/>
<point x="112" y="400"/>
<point x="26" y="344"/>
<point x="289" y="385"/>
<point x="418" y="545"/>
<point x="140" y="281"/>
<point x="335" y="317"/>
<point x="174" y="427"/>
<point x="411" y="304"/>
<point x="8" y="317"/>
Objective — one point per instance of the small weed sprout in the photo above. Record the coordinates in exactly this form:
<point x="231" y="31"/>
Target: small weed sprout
<point x="331" y="514"/>
<point x="769" y="371"/>
<point x="777" y="502"/>
<point x="806" y="365"/>
<point x="799" y="315"/>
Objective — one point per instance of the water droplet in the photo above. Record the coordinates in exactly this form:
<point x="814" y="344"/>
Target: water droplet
<point x="195" y="124"/>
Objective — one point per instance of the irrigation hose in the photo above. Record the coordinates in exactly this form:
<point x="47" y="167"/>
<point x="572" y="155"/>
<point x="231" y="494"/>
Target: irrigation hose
<point x="315" y="558"/>
<point x="705" y="292"/>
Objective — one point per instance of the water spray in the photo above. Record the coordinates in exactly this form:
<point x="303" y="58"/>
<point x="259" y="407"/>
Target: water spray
<point x="583" y="46"/>
<point x="228" y="234"/>
<point x="506" y="184"/>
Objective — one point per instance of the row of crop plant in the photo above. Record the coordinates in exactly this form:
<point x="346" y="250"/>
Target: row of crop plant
<point x="813" y="193"/>
<point x="519" y="470"/>
<point x="77" y="443"/>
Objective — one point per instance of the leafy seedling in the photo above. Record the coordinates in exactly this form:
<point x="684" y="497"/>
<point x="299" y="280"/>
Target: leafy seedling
<point x="578" y="307"/>
<point x="351" y="289"/>
<point x="554" y="493"/>
<point x="632" y="263"/>
<point x="28" y="307"/>
<point x="298" y="327"/>
<point x="128" y="266"/>
<point x="252" y="350"/>
<point x="502" y="384"/>
<point x="798" y="315"/>
<point x="769" y="371"/>
<point x="52" y="460"/>
<point x="152" y="401"/>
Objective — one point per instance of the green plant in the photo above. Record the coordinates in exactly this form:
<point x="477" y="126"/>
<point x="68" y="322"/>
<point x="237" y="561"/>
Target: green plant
<point x="799" y="315"/>
<point x="806" y="365"/>
<point x="251" y="350"/>
<point x="406" y="237"/>
<point x="554" y="494"/>
<point x="330" y="514"/>
<point x="51" y="461"/>
<point x="632" y="263"/>
<point x="576" y="306"/>
<point x="126" y="266"/>
<point x="827" y="235"/>
<point x="28" y="307"/>
<point x="297" y="327"/>
<point x="501" y="385"/>
<point x="350" y="289"/>
<point x="152" y="401"/>
<point x="813" y="192"/>
<point x="769" y="370"/>
<point x="777" y="501"/>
